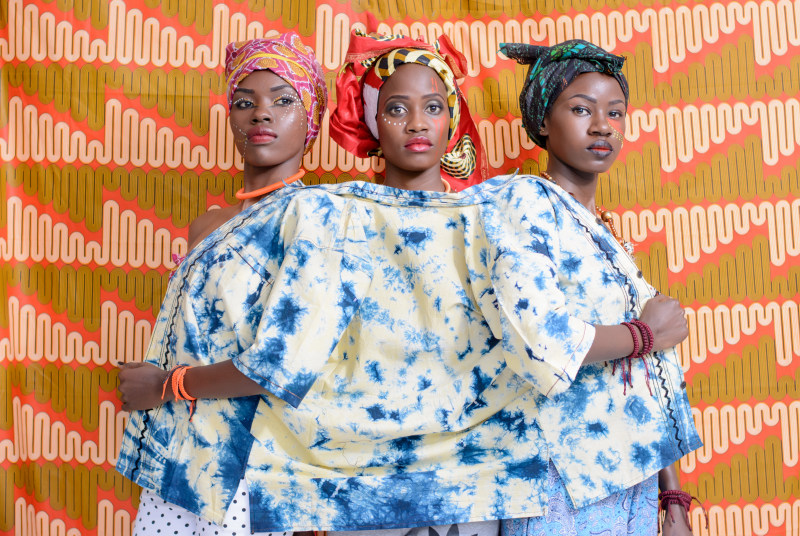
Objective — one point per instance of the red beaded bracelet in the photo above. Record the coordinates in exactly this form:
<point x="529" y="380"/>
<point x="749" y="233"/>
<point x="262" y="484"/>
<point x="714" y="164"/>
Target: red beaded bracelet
<point x="647" y="336"/>
<point x="681" y="498"/>
<point x="632" y="329"/>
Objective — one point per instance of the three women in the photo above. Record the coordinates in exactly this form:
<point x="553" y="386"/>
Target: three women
<point x="392" y="431"/>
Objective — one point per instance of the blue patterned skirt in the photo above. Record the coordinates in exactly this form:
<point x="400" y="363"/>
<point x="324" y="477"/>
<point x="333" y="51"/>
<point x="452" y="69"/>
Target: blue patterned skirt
<point x="632" y="512"/>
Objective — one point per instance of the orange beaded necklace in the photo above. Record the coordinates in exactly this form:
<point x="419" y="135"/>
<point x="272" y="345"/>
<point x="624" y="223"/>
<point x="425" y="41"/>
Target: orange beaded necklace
<point x="241" y="195"/>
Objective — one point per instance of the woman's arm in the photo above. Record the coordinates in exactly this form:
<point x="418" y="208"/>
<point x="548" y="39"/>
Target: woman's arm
<point x="675" y="522"/>
<point x="141" y="384"/>
<point x="665" y="317"/>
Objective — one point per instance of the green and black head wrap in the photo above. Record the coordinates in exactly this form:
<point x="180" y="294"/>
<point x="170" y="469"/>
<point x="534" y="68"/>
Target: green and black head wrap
<point x="552" y="70"/>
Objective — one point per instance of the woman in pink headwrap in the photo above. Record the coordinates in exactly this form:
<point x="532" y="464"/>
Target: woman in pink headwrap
<point x="192" y="471"/>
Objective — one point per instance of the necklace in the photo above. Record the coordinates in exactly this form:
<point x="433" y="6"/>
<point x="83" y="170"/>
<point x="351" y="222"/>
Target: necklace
<point x="447" y="188"/>
<point x="241" y="195"/>
<point x="606" y="216"/>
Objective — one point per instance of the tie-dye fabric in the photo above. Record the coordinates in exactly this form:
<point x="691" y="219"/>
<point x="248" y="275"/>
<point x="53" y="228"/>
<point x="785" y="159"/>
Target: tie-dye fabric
<point x="289" y="58"/>
<point x="411" y="343"/>
<point x="212" y="312"/>
<point x="427" y="412"/>
<point x="601" y="437"/>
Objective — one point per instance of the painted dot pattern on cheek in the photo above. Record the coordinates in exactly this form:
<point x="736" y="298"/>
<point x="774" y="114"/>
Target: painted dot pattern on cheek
<point x="616" y="128"/>
<point x="388" y="121"/>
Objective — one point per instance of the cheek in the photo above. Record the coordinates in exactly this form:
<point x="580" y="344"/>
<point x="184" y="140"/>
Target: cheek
<point x="618" y="125"/>
<point x="391" y="122"/>
<point x="441" y="124"/>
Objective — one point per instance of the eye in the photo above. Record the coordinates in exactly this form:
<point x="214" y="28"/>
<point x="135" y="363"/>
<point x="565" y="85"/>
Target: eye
<point x="434" y="108"/>
<point x="242" y="103"/>
<point x="616" y="114"/>
<point x="284" y="100"/>
<point x="395" y="109"/>
<point x="580" y="110"/>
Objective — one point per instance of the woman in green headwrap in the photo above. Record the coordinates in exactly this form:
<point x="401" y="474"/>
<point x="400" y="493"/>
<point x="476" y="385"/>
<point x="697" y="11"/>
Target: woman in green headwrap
<point x="606" y="439"/>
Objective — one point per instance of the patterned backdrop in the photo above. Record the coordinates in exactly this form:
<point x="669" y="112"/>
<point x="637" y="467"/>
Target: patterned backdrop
<point x="114" y="137"/>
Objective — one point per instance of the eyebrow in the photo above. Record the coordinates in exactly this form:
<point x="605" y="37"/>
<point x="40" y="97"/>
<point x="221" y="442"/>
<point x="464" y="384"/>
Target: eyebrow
<point x="276" y="88"/>
<point x="406" y="97"/>
<point x="593" y="100"/>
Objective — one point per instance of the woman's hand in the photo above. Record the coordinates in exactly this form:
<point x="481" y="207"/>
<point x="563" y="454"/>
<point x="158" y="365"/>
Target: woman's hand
<point x="678" y="527"/>
<point x="667" y="319"/>
<point x="140" y="386"/>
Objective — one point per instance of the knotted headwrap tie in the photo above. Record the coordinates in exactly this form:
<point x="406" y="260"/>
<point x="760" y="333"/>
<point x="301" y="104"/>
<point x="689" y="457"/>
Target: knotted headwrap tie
<point x="369" y="62"/>
<point x="289" y="58"/>
<point x="552" y="70"/>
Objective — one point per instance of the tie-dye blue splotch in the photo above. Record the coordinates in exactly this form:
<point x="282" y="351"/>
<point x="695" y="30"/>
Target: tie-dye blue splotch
<point x="451" y="326"/>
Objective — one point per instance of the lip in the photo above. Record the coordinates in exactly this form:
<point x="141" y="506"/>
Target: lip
<point x="420" y="144"/>
<point x="600" y="148"/>
<point x="261" y="135"/>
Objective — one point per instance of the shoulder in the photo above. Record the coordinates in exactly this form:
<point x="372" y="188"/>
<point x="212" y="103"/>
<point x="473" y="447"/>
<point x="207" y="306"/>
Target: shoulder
<point x="208" y="222"/>
<point x="522" y="197"/>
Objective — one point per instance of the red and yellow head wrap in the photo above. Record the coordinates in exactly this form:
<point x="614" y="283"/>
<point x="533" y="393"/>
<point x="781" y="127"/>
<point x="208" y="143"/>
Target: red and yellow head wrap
<point x="289" y="58"/>
<point x="370" y="61"/>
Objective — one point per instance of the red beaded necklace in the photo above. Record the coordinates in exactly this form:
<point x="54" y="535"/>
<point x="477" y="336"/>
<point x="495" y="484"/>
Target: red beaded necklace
<point x="241" y="195"/>
<point x="606" y="216"/>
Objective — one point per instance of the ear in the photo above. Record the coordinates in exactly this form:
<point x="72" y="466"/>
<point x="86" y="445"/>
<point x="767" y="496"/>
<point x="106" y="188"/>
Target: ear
<point x="544" y="129"/>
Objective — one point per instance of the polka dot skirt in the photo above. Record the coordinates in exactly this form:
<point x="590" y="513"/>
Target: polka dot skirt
<point x="158" y="517"/>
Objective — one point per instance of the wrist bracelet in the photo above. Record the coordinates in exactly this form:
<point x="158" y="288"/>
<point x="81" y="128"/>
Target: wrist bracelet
<point x="647" y="336"/>
<point x="175" y="380"/>
<point x="630" y="327"/>
<point x="681" y="498"/>
<point x="626" y="364"/>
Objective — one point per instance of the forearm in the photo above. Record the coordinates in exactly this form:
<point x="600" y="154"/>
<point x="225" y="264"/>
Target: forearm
<point x="676" y="519"/>
<point x="610" y="342"/>
<point x="220" y="380"/>
<point x="668" y="478"/>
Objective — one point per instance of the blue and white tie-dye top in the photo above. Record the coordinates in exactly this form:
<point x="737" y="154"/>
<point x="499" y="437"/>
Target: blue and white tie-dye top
<point x="421" y="352"/>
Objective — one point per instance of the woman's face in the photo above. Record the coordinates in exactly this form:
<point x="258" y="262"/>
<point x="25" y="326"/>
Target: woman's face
<point x="268" y="120"/>
<point x="413" y="118"/>
<point x="586" y="125"/>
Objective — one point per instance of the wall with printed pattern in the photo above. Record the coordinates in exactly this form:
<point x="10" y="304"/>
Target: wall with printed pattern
<point x="113" y="138"/>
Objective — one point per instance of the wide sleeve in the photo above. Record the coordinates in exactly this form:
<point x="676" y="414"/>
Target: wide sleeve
<point x="542" y="341"/>
<point x="319" y="285"/>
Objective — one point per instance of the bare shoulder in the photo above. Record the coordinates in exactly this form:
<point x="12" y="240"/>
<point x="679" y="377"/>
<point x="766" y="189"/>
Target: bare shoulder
<point x="207" y="223"/>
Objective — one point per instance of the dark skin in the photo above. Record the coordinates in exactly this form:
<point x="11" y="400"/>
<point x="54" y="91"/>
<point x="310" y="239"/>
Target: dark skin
<point x="413" y="122"/>
<point x="585" y="129"/>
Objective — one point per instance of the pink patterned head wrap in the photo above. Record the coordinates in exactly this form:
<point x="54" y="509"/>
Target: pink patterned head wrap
<point x="290" y="59"/>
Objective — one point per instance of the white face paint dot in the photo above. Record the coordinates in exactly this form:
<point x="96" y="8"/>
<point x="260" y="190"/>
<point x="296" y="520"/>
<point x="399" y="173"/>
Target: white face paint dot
<point x="387" y="121"/>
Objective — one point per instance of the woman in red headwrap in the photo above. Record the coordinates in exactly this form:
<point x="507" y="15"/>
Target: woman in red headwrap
<point x="191" y="473"/>
<point x="397" y="98"/>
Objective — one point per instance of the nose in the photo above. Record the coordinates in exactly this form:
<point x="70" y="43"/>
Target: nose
<point x="417" y="121"/>
<point x="600" y="125"/>
<point x="261" y="113"/>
